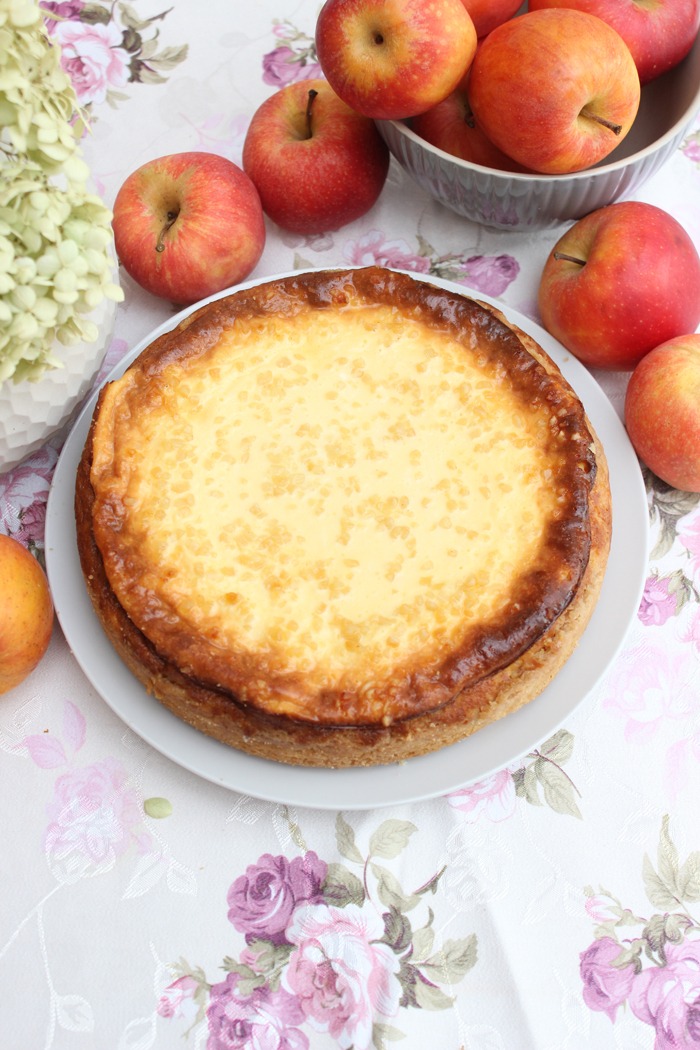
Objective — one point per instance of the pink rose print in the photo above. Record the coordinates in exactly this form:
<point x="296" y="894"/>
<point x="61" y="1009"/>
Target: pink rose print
<point x="94" y="818"/>
<point x="605" y="987"/>
<point x="282" y="67"/>
<point x="651" y="690"/>
<point x="293" y="59"/>
<point x="92" y="56"/>
<point x="599" y="909"/>
<point x="691" y="148"/>
<point x="689" y="536"/>
<point x="23" y="493"/>
<point x="647" y="690"/>
<point x="668" y="997"/>
<point x="490" y="274"/>
<point x="178" y="999"/>
<point x="323" y="951"/>
<point x="372" y="249"/>
<point x="63" y="10"/>
<point x="262" y="901"/>
<point x="261" y="1020"/>
<point x="658" y="973"/>
<point x="692" y="634"/>
<point x="51" y="750"/>
<point x="341" y="973"/>
<point x="31" y="531"/>
<point x="494" y="798"/>
<point x="657" y="605"/>
<point x="682" y="763"/>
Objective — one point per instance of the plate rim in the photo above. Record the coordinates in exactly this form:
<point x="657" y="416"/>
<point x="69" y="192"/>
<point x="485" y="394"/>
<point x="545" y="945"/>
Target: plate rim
<point x="359" y="788"/>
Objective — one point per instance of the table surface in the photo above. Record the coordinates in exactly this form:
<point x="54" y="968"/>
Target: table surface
<point x="553" y="904"/>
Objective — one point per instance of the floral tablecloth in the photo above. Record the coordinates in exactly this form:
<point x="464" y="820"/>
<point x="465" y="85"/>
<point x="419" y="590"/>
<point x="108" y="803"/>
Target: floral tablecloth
<point x="555" y="905"/>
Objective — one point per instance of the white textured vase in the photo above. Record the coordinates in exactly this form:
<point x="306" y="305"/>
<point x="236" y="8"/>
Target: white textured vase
<point x="32" y="412"/>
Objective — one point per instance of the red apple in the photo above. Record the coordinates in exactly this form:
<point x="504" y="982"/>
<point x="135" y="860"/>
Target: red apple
<point x="316" y="163"/>
<point x="26" y="613"/>
<point x="659" y="33"/>
<point x="188" y="225"/>
<point x="556" y="90"/>
<point x="391" y="59"/>
<point x="619" y="282"/>
<point x="451" y="127"/>
<point x="487" y="14"/>
<point x="662" y="411"/>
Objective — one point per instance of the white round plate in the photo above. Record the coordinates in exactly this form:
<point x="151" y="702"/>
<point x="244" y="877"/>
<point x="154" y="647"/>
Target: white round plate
<point x="426" y="777"/>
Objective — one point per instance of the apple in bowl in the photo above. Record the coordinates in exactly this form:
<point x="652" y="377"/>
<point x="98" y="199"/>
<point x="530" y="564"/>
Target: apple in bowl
<point x="557" y="90"/>
<point x="487" y="14"/>
<point x="452" y="127"/>
<point x="659" y="33"/>
<point x="316" y="163"/>
<point x="188" y="225"/>
<point x="619" y="282"/>
<point x="392" y="59"/>
<point x="662" y="411"/>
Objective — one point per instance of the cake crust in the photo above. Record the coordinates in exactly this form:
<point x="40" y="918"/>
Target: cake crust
<point x="422" y="700"/>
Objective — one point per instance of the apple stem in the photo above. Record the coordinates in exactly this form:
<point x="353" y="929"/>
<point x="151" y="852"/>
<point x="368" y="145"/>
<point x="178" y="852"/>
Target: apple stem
<point x="309" y="105"/>
<point x="568" y="258"/>
<point x="171" y="217"/>
<point x="615" y="128"/>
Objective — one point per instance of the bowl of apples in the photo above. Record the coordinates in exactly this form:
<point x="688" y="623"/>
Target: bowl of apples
<point x="565" y="106"/>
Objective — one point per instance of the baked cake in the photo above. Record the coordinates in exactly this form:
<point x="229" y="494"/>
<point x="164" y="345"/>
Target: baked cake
<point x="343" y="518"/>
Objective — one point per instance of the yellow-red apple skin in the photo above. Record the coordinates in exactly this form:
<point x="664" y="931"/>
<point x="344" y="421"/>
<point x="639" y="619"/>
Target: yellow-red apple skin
<point x="392" y="59"/>
<point x="662" y="411"/>
<point x="534" y="75"/>
<point x="314" y="175"/>
<point x="26" y="613"/>
<point x="215" y="240"/>
<point x="487" y="14"/>
<point x="659" y="34"/>
<point x="638" y="287"/>
<point x="452" y="128"/>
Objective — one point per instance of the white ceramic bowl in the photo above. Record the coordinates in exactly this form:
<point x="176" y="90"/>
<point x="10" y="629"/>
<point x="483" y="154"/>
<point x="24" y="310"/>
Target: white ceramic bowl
<point x="511" y="201"/>
<point x="32" y="412"/>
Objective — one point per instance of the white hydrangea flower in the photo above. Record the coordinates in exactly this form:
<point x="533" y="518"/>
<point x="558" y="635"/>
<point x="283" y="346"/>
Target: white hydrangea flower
<point x="56" y="260"/>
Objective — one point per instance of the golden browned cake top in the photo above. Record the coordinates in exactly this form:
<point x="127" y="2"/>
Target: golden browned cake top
<point x="342" y="496"/>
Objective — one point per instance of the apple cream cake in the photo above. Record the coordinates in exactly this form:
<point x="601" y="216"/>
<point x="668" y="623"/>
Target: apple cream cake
<point x="343" y="518"/>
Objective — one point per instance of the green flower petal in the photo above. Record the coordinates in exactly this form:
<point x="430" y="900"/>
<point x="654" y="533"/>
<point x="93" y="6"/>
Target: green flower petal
<point x="158" y="807"/>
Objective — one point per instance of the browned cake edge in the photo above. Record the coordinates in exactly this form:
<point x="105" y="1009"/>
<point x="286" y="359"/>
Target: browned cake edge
<point x="414" y="686"/>
<point x="243" y="727"/>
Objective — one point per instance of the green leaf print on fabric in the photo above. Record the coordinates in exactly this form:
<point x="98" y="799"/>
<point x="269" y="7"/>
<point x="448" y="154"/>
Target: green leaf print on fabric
<point x="666" y="507"/>
<point x="544" y="771"/>
<point x="391" y="838"/>
<point x="666" y="594"/>
<point x="539" y="781"/>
